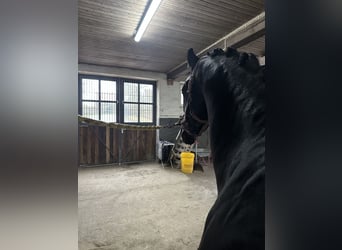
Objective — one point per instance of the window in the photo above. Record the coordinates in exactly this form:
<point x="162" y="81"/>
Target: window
<point x="138" y="102"/>
<point x="117" y="100"/>
<point x="98" y="99"/>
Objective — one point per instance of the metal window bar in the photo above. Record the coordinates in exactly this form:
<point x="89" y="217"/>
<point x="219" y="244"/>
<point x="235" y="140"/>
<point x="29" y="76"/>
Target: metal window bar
<point x="145" y="97"/>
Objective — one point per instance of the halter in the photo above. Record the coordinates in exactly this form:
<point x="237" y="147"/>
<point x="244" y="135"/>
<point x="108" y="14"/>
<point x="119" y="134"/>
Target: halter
<point x="190" y="119"/>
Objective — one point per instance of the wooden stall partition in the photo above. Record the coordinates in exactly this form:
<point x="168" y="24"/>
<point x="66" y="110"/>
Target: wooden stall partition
<point x="98" y="145"/>
<point x="103" y="145"/>
<point x="138" y="145"/>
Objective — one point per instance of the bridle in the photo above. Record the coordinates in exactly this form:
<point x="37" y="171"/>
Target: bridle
<point x="191" y="122"/>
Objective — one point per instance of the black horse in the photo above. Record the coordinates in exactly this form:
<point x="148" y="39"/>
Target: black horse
<point x="226" y="92"/>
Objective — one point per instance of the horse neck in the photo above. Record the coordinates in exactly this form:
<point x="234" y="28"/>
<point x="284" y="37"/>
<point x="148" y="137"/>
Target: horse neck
<point x="233" y="123"/>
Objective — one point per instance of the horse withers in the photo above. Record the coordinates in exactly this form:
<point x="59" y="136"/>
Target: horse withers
<point x="226" y="92"/>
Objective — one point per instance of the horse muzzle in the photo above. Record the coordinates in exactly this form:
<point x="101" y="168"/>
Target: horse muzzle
<point x="192" y="127"/>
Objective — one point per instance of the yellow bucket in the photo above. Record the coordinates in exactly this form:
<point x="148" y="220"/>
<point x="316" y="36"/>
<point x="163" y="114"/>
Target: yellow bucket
<point x="187" y="162"/>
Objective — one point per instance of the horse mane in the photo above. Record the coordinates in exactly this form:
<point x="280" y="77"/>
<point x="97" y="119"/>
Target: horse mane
<point x="249" y="92"/>
<point x="248" y="61"/>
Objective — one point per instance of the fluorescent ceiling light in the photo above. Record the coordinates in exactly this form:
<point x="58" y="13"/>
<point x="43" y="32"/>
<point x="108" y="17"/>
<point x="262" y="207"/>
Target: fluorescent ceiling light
<point x="146" y="19"/>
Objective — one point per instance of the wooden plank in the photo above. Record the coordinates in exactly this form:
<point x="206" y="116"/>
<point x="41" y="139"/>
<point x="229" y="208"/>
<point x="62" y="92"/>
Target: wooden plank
<point x="83" y="144"/>
<point x="205" y="11"/>
<point x="150" y="154"/>
<point x="133" y="145"/>
<point x="146" y="148"/>
<point x="107" y="144"/>
<point x="139" y="143"/>
<point x="102" y="144"/>
<point x="93" y="142"/>
<point x="249" y="31"/>
<point x="153" y="143"/>
<point x="118" y="138"/>
<point x="142" y="145"/>
<point x="130" y="146"/>
<point x="96" y="145"/>
<point x="89" y="140"/>
<point x="126" y="149"/>
<point x="114" y="145"/>
<point x="80" y="145"/>
<point x="112" y="148"/>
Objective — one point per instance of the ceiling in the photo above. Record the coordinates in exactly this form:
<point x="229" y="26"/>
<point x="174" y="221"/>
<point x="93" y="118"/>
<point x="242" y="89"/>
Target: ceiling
<point x="106" y="30"/>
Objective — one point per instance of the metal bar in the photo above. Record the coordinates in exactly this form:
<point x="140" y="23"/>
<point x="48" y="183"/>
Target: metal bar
<point x="243" y="35"/>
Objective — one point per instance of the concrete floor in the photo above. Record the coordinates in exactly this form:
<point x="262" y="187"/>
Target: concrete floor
<point x="143" y="206"/>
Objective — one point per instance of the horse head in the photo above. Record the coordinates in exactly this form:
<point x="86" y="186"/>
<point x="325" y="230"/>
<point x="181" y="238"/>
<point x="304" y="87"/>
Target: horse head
<point x="195" y="120"/>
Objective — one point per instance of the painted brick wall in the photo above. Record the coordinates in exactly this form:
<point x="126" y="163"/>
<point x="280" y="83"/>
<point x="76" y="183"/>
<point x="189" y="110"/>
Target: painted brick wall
<point x="170" y="100"/>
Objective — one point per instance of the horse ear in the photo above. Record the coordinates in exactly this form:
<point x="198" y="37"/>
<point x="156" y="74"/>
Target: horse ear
<point x="231" y="52"/>
<point x="192" y="58"/>
<point x="243" y="58"/>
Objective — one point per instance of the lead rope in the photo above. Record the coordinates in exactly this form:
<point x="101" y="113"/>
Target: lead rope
<point x="125" y="126"/>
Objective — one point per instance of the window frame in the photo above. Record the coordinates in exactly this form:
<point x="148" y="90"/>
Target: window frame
<point x="99" y="101"/>
<point x="120" y="97"/>
<point x="139" y="82"/>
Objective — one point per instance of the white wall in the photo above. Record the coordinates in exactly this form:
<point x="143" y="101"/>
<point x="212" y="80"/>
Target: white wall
<point x="170" y="100"/>
<point x="261" y="60"/>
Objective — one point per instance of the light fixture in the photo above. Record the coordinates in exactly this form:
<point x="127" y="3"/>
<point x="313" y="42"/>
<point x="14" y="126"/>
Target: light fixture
<point x="154" y="4"/>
